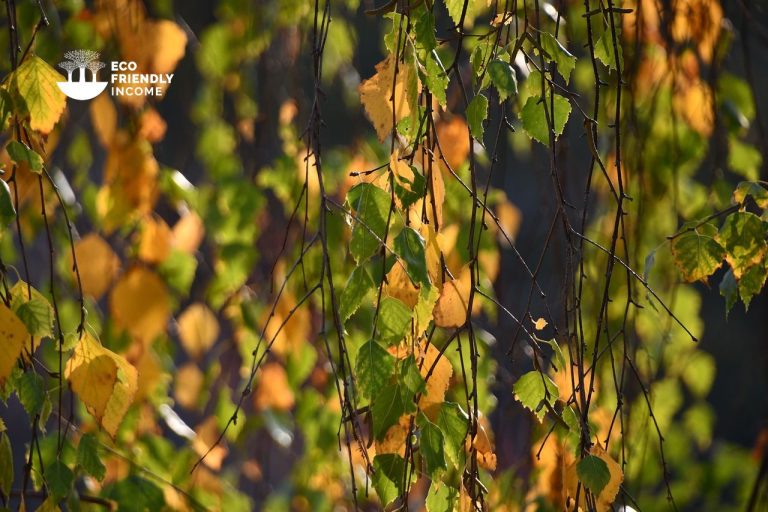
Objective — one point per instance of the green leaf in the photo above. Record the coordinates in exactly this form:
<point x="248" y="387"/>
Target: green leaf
<point x="88" y="457"/>
<point x="604" y="50"/>
<point x="729" y="290"/>
<point x="59" y="479"/>
<point x="454" y="8"/>
<point x="31" y="393"/>
<point x="534" y="117"/>
<point x="558" y="352"/>
<point x="7" y="210"/>
<point x="751" y="282"/>
<point x="435" y="78"/>
<point x="697" y="253"/>
<point x="36" y="315"/>
<point x="388" y="406"/>
<point x="388" y="477"/>
<point x="178" y="270"/>
<point x="371" y="205"/>
<point x="358" y="286"/>
<point x="6" y="464"/>
<point x="424" y="28"/>
<point x="477" y="111"/>
<point x="441" y="497"/>
<point x="454" y="424"/>
<point x="750" y="188"/>
<point x="408" y="192"/>
<point x="411" y="377"/>
<point x="564" y="59"/>
<point x="593" y="473"/>
<point x="744" y="159"/>
<point x="699" y="373"/>
<point x="373" y="368"/>
<point x="37" y="95"/>
<point x="136" y="494"/>
<point x="532" y="389"/>
<point x="409" y="247"/>
<point x="432" y="447"/>
<point x="503" y="77"/>
<point x="743" y="237"/>
<point x="21" y="154"/>
<point x="394" y="320"/>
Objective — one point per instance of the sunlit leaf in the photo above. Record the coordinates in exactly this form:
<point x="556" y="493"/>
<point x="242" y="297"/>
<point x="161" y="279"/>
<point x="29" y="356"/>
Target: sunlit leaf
<point x="140" y="304"/>
<point x="373" y="368"/>
<point x="21" y="154"/>
<point x="533" y="388"/>
<point x="697" y="253"/>
<point x="104" y="381"/>
<point x="98" y="264"/>
<point x="536" y="121"/>
<point x="504" y="78"/>
<point x="742" y="235"/>
<point x="593" y="473"/>
<point x="388" y="477"/>
<point x="34" y="87"/>
<point x="198" y="329"/>
<point x="13" y="335"/>
<point x="451" y="307"/>
<point x="477" y="112"/>
<point x="371" y="206"/>
<point x="376" y="95"/>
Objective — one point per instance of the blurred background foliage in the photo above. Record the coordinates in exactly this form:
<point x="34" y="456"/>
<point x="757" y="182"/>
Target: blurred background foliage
<point x="186" y="225"/>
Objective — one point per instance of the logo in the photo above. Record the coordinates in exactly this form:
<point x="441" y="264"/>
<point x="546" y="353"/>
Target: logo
<point x="125" y="79"/>
<point x="83" y="89"/>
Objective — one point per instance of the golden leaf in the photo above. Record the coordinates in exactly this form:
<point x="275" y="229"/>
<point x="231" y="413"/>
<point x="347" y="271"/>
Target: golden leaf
<point x="486" y="457"/>
<point x="400" y="286"/>
<point x="198" y="329"/>
<point x="451" y="307"/>
<point x="140" y="304"/>
<point x="152" y="126"/>
<point x="454" y="140"/>
<point x="695" y="103"/>
<point x="13" y="335"/>
<point x="104" y="119"/>
<point x="510" y="219"/>
<point x="130" y="182"/>
<point x="207" y="435"/>
<point x="189" y="383"/>
<point x="273" y="391"/>
<point x="376" y="96"/>
<point x="155" y="241"/>
<point x="104" y="381"/>
<point x="296" y="328"/>
<point x="394" y="439"/>
<point x="539" y="324"/>
<point x="151" y="373"/>
<point x="438" y="381"/>
<point x="98" y="264"/>
<point x="188" y="233"/>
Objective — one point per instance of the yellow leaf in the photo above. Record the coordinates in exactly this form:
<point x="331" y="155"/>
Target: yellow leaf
<point x="104" y="381"/>
<point x="540" y="324"/>
<point x="34" y="87"/>
<point x="155" y="242"/>
<point x="400" y="286"/>
<point x="189" y="383"/>
<point x="695" y="103"/>
<point x="140" y="304"/>
<point x="152" y="375"/>
<point x="376" y="96"/>
<point x="394" y="439"/>
<point x="198" y="329"/>
<point x="130" y="182"/>
<point x="188" y="233"/>
<point x="273" y="391"/>
<point x="451" y="307"/>
<point x="454" y="141"/>
<point x="436" y="197"/>
<point x="510" y="219"/>
<point x="98" y="264"/>
<point x="13" y="334"/>
<point x="296" y="328"/>
<point x="104" y="119"/>
<point x="207" y="435"/>
<point x="152" y="126"/>
<point x="486" y="457"/>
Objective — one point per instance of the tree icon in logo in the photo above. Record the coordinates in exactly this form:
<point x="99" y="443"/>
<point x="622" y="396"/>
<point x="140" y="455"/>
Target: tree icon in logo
<point x="81" y="60"/>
